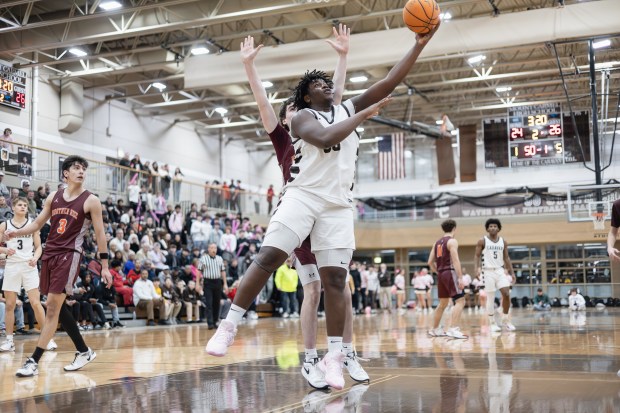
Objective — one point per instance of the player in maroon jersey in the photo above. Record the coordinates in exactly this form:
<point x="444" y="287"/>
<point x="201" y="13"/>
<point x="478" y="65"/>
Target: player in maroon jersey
<point x="305" y="262"/>
<point x="71" y="211"/>
<point x="444" y="260"/>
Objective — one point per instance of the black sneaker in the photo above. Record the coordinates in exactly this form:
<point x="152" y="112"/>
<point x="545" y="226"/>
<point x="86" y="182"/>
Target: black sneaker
<point x="118" y="324"/>
<point x="164" y="322"/>
<point x="22" y="332"/>
<point x="150" y="323"/>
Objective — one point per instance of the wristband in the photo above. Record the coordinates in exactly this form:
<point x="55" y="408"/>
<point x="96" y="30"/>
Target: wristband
<point x="104" y="256"/>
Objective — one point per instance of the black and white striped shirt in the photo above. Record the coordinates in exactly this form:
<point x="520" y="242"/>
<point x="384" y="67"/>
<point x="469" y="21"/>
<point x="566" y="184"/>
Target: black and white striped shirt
<point x="211" y="267"/>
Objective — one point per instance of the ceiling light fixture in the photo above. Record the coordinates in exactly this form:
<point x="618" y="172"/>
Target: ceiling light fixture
<point x="503" y="89"/>
<point x="358" y="79"/>
<point x="601" y="43"/>
<point x="445" y="16"/>
<point x="359" y="129"/>
<point x="267" y="84"/>
<point x="77" y="52"/>
<point x="476" y="59"/>
<point x="110" y="5"/>
<point x="221" y="111"/>
<point x="158" y="85"/>
<point x="199" y="50"/>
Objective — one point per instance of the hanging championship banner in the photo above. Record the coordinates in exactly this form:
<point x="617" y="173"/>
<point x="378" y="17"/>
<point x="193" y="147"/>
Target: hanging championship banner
<point x="24" y="163"/>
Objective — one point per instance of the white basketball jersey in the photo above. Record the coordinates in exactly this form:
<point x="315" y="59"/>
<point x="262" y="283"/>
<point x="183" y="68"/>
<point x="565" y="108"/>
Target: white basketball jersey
<point x="23" y="246"/>
<point x="493" y="253"/>
<point x="328" y="173"/>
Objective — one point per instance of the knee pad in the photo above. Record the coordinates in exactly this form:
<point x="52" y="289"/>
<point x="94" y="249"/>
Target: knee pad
<point x="340" y="257"/>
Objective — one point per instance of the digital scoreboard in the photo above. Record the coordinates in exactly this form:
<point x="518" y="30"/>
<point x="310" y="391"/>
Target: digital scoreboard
<point x="534" y="136"/>
<point x="12" y="87"/>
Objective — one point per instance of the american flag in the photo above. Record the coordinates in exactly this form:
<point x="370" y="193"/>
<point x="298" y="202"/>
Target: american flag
<point x="392" y="157"/>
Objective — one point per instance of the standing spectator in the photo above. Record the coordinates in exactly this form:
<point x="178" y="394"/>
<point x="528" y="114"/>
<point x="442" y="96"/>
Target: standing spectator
<point x="133" y="194"/>
<point x="270" y="194"/>
<point x="176" y="221"/>
<point x="166" y="179"/>
<point x="226" y="195"/>
<point x="466" y="280"/>
<point x="357" y="283"/>
<point x="254" y="198"/>
<point x="145" y="297"/>
<point x="212" y="283"/>
<point x="420" y="286"/>
<point x="228" y="244"/>
<point x="429" y="291"/>
<point x="190" y="298"/>
<point x="200" y="233"/>
<point x="399" y="283"/>
<point x="541" y="301"/>
<point x="286" y="281"/>
<point x="155" y="177"/>
<point x="176" y="185"/>
<point x="236" y="197"/>
<point x="5" y="209"/>
<point x="136" y="163"/>
<point x="385" y="282"/>
<point x="4" y="191"/>
<point x="216" y="234"/>
<point x="372" y="289"/>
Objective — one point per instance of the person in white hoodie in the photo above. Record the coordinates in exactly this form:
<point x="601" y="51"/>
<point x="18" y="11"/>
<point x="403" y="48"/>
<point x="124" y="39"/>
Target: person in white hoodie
<point x="576" y="302"/>
<point x="228" y="244"/>
<point x="200" y="232"/>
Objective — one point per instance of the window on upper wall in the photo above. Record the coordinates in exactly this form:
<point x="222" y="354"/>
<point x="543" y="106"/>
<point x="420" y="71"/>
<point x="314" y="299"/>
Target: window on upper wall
<point x="578" y="264"/>
<point x="526" y="263"/>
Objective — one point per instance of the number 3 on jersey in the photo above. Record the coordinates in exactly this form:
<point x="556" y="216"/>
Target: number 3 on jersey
<point x="62" y="226"/>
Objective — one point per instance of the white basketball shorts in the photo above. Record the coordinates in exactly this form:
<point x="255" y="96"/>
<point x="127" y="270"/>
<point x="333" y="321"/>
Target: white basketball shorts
<point x="330" y="226"/>
<point x="495" y="279"/>
<point x="18" y="274"/>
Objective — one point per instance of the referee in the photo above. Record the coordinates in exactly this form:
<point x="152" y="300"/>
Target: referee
<point x="213" y="278"/>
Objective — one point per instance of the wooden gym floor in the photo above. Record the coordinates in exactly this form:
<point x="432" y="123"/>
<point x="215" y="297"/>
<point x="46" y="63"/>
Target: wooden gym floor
<point x="555" y="362"/>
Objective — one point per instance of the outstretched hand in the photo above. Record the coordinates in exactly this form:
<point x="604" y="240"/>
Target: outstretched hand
<point x="422" y="39"/>
<point x="614" y="254"/>
<point x="373" y="110"/>
<point x="248" y="51"/>
<point x="341" y="41"/>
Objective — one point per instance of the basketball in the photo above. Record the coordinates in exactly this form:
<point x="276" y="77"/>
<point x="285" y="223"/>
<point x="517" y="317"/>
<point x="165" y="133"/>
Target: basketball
<point x="421" y="16"/>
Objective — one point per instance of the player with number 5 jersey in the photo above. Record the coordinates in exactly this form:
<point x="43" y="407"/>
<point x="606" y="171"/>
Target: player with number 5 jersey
<point x="491" y="261"/>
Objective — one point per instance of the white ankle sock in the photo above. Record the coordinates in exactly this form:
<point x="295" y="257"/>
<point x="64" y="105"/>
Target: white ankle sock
<point x="334" y="344"/>
<point x="235" y="314"/>
<point x="347" y="348"/>
<point x="9" y="337"/>
<point x="311" y="354"/>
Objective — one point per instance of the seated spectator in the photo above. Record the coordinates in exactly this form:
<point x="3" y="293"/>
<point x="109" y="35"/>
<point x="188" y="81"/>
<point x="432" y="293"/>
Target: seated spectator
<point x="126" y="251"/>
<point x="157" y="257"/>
<point x="134" y="242"/>
<point x="228" y="244"/>
<point x="32" y="205"/>
<point x="119" y="284"/>
<point x="4" y="209"/>
<point x="576" y="302"/>
<point x="143" y="254"/>
<point x="134" y="274"/>
<point x="117" y="242"/>
<point x="172" y="260"/>
<point x="541" y="301"/>
<point x="172" y="301"/>
<point x="148" y="266"/>
<point x="130" y="263"/>
<point x="145" y="298"/>
<point x="192" y="303"/>
<point x="83" y="292"/>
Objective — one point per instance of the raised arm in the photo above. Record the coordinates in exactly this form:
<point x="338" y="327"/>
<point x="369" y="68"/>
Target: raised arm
<point x="248" y="54"/>
<point x="396" y="75"/>
<point x="479" y="247"/>
<point x="341" y="46"/>
<point x="310" y="130"/>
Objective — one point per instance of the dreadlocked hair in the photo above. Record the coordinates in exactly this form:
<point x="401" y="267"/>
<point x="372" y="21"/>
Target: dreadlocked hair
<point x="282" y="113"/>
<point x="301" y="90"/>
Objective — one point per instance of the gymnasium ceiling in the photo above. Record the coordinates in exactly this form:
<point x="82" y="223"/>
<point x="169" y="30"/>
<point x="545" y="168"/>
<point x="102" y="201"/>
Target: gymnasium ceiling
<point x="147" y="41"/>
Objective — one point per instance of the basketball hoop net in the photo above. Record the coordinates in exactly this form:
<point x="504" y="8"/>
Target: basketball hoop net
<point x="598" y="219"/>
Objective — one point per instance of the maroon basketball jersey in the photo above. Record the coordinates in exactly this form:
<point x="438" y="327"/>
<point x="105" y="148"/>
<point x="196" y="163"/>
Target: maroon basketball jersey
<point x="442" y="255"/>
<point x="285" y="152"/>
<point x="69" y="224"/>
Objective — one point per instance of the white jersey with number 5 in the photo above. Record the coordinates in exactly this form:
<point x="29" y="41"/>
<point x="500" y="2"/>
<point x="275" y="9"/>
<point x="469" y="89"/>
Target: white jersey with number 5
<point x="493" y="253"/>
<point x="23" y="246"/>
<point x="328" y="173"/>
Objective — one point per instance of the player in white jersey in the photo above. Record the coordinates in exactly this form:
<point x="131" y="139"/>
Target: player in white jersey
<point x="491" y="259"/>
<point x="21" y="271"/>
<point x="317" y="199"/>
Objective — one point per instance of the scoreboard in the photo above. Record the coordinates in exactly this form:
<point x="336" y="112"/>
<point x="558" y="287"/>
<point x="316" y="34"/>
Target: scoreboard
<point x="12" y="87"/>
<point x="534" y="136"/>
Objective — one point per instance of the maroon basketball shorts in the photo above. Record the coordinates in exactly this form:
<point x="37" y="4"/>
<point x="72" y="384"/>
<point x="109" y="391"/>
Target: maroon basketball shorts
<point x="447" y="284"/>
<point x="59" y="272"/>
